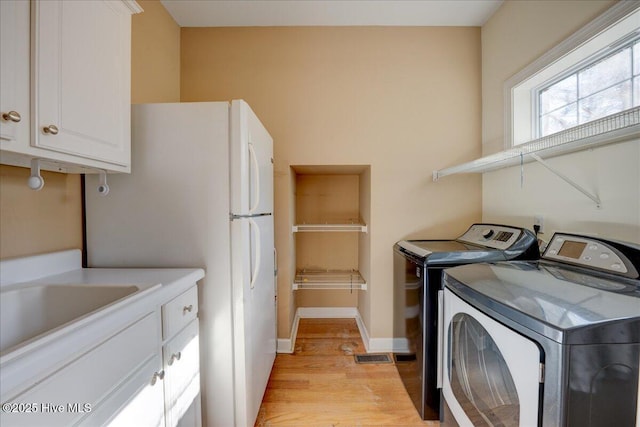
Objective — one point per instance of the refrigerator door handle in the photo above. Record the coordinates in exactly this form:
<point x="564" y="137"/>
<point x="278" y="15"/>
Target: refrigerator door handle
<point x="275" y="262"/>
<point x="254" y="274"/>
<point x="236" y="216"/>
<point x="256" y="167"/>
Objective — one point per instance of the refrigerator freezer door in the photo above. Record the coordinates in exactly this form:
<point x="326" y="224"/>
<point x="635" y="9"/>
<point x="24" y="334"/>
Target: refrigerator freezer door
<point x="251" y="162"/>
<point x="254" y="312"/>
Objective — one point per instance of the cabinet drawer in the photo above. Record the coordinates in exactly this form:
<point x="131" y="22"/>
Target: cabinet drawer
<point x="66" y="396"/>
<point x="178" y="312"/>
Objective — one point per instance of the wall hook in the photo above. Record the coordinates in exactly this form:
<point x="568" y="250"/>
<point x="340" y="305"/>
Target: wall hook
<point x="35" y="181"/>
<point x="103" y="188"/>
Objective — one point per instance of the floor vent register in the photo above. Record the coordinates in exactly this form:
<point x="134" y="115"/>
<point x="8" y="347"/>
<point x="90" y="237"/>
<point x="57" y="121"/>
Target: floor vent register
<point x="373" y="358"/>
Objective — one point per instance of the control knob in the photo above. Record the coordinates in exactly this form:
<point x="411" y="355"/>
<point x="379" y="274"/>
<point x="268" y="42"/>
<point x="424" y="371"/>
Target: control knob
<point x="487" y="233"/>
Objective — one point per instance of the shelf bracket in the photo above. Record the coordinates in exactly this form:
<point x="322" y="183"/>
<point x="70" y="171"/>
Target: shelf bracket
<point x="565" y="178"/>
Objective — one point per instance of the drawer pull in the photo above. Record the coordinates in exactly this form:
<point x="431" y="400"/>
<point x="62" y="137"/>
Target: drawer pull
<point x="12" y="116"/>
<point x="51" y="129"/>
<point x="157" y="376"/>
<point x="174" y="358"/>
<point x="187" y="309"/>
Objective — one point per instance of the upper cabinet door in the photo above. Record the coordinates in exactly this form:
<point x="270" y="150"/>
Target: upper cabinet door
<point x="81" y="74"/>
<point x="14" y="71"/>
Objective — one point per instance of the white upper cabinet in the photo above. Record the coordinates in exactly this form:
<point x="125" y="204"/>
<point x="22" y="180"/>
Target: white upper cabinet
<point x="82" y="90"/>
<point x="14" y="71"/>
<point x="80" y="94"/>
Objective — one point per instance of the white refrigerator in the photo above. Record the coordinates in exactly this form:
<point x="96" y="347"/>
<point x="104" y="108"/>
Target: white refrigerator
<point x="201" y="195"/>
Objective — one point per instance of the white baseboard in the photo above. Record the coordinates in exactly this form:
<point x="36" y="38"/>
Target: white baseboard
<point x="286" y="345"/>
<point x="371" y="345"/>
<point x="363" y="332"/>
<point x="400" y="345"/>
<point x="283" y="346"/>
<point x="327" y="312"/>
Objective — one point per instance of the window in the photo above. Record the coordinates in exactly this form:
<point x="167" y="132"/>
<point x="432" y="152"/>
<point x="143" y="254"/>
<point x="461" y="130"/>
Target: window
<point x="583" y="93"/>
<point x="590" y="76"/>
<point x="607" y="85"/>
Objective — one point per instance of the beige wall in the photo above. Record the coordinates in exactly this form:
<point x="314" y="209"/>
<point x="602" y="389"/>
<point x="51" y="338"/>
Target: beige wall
<point x="364" y="246"/>
<point x="155" y="55"/>
<point x="33" y="222"/>
<point x="517" y="34"/>
<point x="404" y="100"/>
<point x="51" y="219"/>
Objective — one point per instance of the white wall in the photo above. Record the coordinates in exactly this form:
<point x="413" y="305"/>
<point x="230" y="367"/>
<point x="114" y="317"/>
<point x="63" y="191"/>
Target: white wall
<point x="515" y="36"/>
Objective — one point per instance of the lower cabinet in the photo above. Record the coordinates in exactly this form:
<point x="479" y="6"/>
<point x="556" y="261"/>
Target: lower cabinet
<point x="77" y="393"/>
<point x="139" y="401"/>
<point x="145" y="375"/>
<point x="181" y="357"/>
<point x="168" y="393"/>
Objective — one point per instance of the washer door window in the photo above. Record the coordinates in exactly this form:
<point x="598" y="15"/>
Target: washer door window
<point x="491" y="373"/>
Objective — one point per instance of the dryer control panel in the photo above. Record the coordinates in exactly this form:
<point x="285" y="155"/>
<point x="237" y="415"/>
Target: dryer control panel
<point x="592" y="253"/>
<point x="491" y="236"/>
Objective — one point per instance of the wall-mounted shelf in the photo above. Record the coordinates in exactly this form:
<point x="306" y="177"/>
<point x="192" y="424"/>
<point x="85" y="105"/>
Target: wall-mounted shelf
<point x="607" y="130"/>
<point x="329" y="279"/>
<point x="349" y="224"/>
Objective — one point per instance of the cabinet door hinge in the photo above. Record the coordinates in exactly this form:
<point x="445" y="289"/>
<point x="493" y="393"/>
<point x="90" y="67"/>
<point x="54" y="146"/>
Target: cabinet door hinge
<point x="541" y="373"/>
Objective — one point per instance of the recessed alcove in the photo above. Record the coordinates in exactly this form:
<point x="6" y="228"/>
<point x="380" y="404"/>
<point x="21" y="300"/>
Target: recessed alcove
<point x="331" y="233"/>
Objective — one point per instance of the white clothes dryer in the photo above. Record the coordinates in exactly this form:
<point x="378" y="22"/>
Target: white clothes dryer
<point x="548" y="343"/>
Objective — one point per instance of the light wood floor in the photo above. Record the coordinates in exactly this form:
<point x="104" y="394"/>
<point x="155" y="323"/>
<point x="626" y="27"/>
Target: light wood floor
<point x="321" y="385"/>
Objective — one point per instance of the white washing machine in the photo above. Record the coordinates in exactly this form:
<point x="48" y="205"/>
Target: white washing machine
<point x="548" y="343"/>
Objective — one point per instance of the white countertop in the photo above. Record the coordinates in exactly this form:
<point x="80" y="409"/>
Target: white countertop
<point x="156" y="287"/>
<point x="65" y="267"/>
<point x="147" y="279"/>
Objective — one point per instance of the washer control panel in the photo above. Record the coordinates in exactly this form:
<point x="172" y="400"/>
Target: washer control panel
<point x="491" y="236"/>
<point x="586" y="252"/>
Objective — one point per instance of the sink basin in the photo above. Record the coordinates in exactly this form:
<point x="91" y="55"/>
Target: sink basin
<point x="32" y="311"/>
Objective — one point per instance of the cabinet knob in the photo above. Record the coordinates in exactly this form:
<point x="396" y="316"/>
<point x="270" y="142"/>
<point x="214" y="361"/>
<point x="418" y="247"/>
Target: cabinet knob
<point x="175" y="357"/>
<point x="187" y="309"/>
<point x="11" y="116"/>
<point x="157" y="376"/>
<point x="51" y="129"/>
